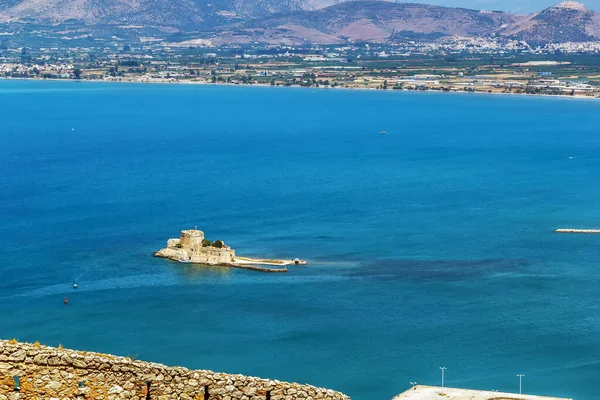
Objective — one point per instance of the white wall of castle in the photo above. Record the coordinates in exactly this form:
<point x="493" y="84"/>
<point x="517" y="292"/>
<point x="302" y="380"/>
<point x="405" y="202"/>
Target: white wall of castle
<point x="212" y="255"/>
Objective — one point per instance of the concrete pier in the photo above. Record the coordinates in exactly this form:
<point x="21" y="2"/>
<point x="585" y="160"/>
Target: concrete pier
<point x="421" y="392"/>
<point x="571" y="230"/>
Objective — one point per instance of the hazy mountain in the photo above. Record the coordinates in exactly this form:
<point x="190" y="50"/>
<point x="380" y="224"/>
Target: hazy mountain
<point x="179" y="13"/>
<point x="6" y="4"/>
<point x="297" y="21"/>
<point x="381" y="21"/>
<point x="566" y="22"/>
<point x="265" y="7"/>
<point x="371" y="21"/>
<point x="157" y="12"/>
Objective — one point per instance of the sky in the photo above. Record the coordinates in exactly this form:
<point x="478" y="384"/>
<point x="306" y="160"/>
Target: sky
<point x="515" y="6"/>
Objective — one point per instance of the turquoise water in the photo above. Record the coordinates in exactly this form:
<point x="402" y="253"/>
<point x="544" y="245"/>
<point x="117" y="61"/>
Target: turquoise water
<point x="430" y="246"/>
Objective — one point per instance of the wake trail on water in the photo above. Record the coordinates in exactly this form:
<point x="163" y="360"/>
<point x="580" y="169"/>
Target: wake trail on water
<point x="160" y="280"/>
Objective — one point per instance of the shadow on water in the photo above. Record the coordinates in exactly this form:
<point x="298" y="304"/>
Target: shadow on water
<point x="445" y="270"/>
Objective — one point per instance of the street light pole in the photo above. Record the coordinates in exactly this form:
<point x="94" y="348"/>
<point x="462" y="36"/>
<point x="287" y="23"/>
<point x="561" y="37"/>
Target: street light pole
<point x="443" y="369"/>
<point x="520" y="382"/>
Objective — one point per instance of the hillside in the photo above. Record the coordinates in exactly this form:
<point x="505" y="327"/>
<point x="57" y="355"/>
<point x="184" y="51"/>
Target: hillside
<point x="93" y="12"/>
<point x="380" y="21"/>
<point x="565" y="22"/>
<point x="301" y="21"/>
<point x="5" y="4"/>
<point x="369" y="21"/>
<point x="178" y="13"/>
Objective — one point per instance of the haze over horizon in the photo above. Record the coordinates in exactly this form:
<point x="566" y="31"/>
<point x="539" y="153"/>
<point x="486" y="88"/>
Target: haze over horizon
<point x="513" y="6"/>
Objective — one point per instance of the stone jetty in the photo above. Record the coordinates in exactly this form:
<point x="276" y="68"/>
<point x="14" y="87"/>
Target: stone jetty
<point x="571" y="230"/>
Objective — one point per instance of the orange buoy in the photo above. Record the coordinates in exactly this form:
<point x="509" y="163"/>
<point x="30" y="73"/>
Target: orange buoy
<point x="66" y="301"/>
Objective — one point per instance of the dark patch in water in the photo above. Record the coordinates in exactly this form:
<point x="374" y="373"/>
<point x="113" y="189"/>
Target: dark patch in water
<point x="448" y="270"/>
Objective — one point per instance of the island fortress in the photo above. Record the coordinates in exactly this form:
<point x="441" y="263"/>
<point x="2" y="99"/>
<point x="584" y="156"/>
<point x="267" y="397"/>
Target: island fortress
<point x="193" y="247"/>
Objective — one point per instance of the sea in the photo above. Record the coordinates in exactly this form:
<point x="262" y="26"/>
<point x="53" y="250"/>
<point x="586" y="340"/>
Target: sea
<point x="430" y="246"/>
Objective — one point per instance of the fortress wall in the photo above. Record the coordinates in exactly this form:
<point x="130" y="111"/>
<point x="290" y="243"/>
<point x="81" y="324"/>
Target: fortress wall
<point x="56" y="373"/>
<point x="212" y="255"/>
<point x="189" y="245"/>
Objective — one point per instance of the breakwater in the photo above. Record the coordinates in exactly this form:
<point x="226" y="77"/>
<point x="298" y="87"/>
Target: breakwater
<point x="32" y="371"/>
<point x="261" y="269"/>
<point x="570" y="230"/>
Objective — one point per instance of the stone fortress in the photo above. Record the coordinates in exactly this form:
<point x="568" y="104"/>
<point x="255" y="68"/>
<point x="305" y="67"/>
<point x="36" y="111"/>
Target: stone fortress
<point x="193" y="247"/>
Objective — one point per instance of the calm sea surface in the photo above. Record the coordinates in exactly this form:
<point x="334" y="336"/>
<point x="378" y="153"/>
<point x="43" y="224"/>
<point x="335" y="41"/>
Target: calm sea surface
<point x="430" y="246"/>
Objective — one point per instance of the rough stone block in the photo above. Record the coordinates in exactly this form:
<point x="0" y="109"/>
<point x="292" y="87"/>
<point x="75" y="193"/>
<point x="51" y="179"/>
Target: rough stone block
<point x="17" y="356"/>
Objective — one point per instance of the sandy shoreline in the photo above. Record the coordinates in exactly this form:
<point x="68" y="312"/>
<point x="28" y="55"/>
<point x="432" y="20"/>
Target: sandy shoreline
<point x="264" y="85"/>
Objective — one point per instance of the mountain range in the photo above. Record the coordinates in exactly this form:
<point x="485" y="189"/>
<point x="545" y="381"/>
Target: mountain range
<point x="314" y="21"/>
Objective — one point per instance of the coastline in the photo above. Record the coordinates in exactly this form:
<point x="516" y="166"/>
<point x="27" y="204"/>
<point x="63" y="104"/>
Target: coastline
<point x="99" y="232"/>
<point x="263" y="85"/>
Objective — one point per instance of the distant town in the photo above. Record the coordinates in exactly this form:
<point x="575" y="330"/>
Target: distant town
<point x="492" y="65"/>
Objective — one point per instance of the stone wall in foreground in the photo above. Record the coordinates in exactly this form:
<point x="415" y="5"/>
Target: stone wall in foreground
<point x="55" y="373"/>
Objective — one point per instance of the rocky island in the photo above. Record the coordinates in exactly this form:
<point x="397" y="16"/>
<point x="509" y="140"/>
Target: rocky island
<point x="192" y="247"/>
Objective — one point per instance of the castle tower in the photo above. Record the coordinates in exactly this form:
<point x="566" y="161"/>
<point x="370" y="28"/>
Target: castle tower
<point x="191" y="238"/>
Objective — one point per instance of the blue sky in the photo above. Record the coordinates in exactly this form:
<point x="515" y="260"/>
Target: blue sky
<point x="517" y="6"/>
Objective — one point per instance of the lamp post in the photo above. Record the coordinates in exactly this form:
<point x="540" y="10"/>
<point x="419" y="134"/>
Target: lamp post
<point x="520" y="382"/>
<point x="443" y="369"/>
<point x="413" y="384"/>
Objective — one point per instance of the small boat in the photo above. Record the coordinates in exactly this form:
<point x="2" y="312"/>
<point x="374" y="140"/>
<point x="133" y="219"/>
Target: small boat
<point x="383" y="133"/>
<point x="181" y="260"/>
<point x="65" y="300"/>
<point x="74" y="286"/>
